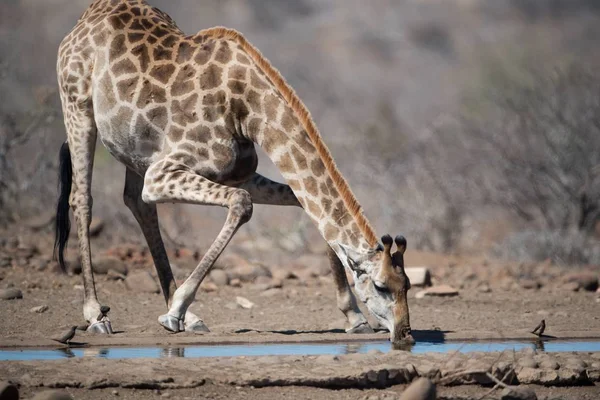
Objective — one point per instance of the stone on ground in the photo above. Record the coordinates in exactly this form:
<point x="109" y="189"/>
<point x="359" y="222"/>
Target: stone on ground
<point x="11" y="294"/>
<point x="8" y="391"/>
<point x="418" y="276"/>
<point x="421" y="389"/>
<point x="437" y="291"/>
<point x="238" y="267"/>
<point x="53" y="395"/>
<point x="219" y="277"/>
<point x="39" y="309"/>
<point x="518" y="393"/>
<point x="244" y="302"/>
<point x="102" y="265"/>
<point x="141" y="282"/>
<point x="584" y="280"/>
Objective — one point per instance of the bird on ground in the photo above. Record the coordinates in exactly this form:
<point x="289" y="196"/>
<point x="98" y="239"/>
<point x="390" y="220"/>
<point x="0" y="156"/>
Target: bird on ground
<point x="66" y="336"/>
<point x="539" y="330"/>
<point x="103" y="312"/>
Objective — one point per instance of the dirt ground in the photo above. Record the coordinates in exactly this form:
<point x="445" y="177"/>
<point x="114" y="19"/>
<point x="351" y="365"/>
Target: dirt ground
<point x="301" y="310"/>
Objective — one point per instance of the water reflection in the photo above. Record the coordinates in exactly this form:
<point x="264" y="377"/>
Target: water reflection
<point x="172" y="352"/>
<point x="293" y="349"/>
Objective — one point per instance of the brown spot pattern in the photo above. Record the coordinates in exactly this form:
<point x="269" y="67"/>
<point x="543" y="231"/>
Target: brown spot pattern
<point x="211" y="77"/>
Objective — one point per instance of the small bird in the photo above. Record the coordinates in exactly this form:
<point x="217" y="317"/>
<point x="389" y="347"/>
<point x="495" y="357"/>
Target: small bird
<point x="539" y="330"/>
<point x="103" y="311"/>
<point x="66" y="336"/>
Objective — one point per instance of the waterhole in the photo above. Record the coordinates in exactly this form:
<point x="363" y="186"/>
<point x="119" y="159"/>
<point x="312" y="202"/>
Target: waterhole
<point x="280" y="349"/>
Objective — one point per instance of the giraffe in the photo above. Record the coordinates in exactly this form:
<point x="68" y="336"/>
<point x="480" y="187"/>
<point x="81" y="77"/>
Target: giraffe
<point x="183" y="113"/>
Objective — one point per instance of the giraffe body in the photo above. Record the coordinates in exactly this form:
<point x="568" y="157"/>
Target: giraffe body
<point x="184" y="113"/>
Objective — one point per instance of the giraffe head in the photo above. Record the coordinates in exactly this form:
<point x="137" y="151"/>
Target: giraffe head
<point x="381" y="283"/>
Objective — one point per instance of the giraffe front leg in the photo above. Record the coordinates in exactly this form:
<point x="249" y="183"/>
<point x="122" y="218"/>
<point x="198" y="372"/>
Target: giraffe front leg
<point x="195" y="189"/>
<point x="266" y="191"/>
<point x="345" y="298"/>
<point x="147" y="217"/>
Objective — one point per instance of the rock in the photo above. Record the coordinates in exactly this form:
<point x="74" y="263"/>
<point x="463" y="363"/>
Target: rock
<point x="571" y="286"/>
<point x="96" y="226"/>
<point x="209" y="287"/>
<point x="219" y="277"/>
<point x="484" y="288"/>
<point x="530" y="284"/>
<point x="282" y="273"/>
<point x="585" y="280"/>
<point x="8" y="391"/>
<point x="53" y="395"/>
<point x="537" y="376"/>
<point x="39" y="309"/>
<point x="518" y="393"/>
<point x="102" y="265"/>
<point x="528" y="362"/>
<point x="549" y="364"/>
<point x="418" y="276"/>
<point x="248" y="272"/>
<point x="141" y="282"/>
<point x="244" y="302"/>
<point x="438" y="291"/>
<point x="10" y="294"/>
<point x="271" y="292"/>
<point x="235" y="283"/>
<point x="115" y="276"/>
<point x="421" y="389"/>
<point x="575" y="363"/>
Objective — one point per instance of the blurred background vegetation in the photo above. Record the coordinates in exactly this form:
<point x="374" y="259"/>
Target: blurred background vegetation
<point x="469" y="126"/>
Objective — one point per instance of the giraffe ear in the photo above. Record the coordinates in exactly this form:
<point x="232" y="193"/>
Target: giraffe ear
<point x="353" y="257"/>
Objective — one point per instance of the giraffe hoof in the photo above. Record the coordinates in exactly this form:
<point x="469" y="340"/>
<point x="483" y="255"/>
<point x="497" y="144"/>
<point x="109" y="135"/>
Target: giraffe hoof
<point x="361" y="328"/>
<point x="103" y="327"/>
<point x="171" y="323"/>
<point x="197" y="327"/>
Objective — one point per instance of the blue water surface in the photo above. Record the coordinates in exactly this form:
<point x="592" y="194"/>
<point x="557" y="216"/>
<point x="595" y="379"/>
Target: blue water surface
<point x="291" y="349"/>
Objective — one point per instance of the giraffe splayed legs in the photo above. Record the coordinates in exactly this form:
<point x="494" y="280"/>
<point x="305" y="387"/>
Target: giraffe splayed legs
<point x="183" y="114"/>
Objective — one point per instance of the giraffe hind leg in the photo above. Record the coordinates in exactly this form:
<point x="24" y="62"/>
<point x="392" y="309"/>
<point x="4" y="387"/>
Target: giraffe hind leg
<point x="81" y="139"/>
<point x="266" y="191"/>
<point x="195" y="189"/>
<point x="147" y="217"/>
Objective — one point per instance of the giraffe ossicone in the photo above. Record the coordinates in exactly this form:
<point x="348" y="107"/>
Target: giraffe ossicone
<point x="183" y="113"/>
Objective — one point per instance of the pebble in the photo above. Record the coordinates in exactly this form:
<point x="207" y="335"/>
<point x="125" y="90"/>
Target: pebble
<point x="585" y="280"/>
<point x="484" y="288"/>
<point x="575" y="363"/>
<point x="549" y="364"/>
<point x="209" y="287"/>
<point x="235" y="283"/>
<point x="219" y="277"/>
<point x="53" y="395"/>
<point x="528" y="362"/>
<point x="529" y="284"/>
<point x="244" y="302"/>
<point x="39" y="309"/>
<point x="102" y="265"/>
<point x="421" y="389"/>
<point x="8" y="391"/>
<point x="10" y="294"/>
<point x="518" y="393"/>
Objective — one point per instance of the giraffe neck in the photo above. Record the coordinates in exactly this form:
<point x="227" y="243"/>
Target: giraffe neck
<point x="281" y="124"/>
<point x="314" y="184"/>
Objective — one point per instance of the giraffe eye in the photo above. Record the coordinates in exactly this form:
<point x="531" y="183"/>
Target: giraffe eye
<point x="381" y="289"/>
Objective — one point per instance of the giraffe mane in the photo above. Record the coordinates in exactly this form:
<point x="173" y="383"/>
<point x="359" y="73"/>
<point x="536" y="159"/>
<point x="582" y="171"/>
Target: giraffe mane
<point x="307" y="122"/>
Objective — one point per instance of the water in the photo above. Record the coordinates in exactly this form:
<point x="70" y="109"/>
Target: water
<point x="290" y="349"/>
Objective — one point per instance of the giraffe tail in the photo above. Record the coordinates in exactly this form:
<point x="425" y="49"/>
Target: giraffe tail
<point x="63" y="223"/>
